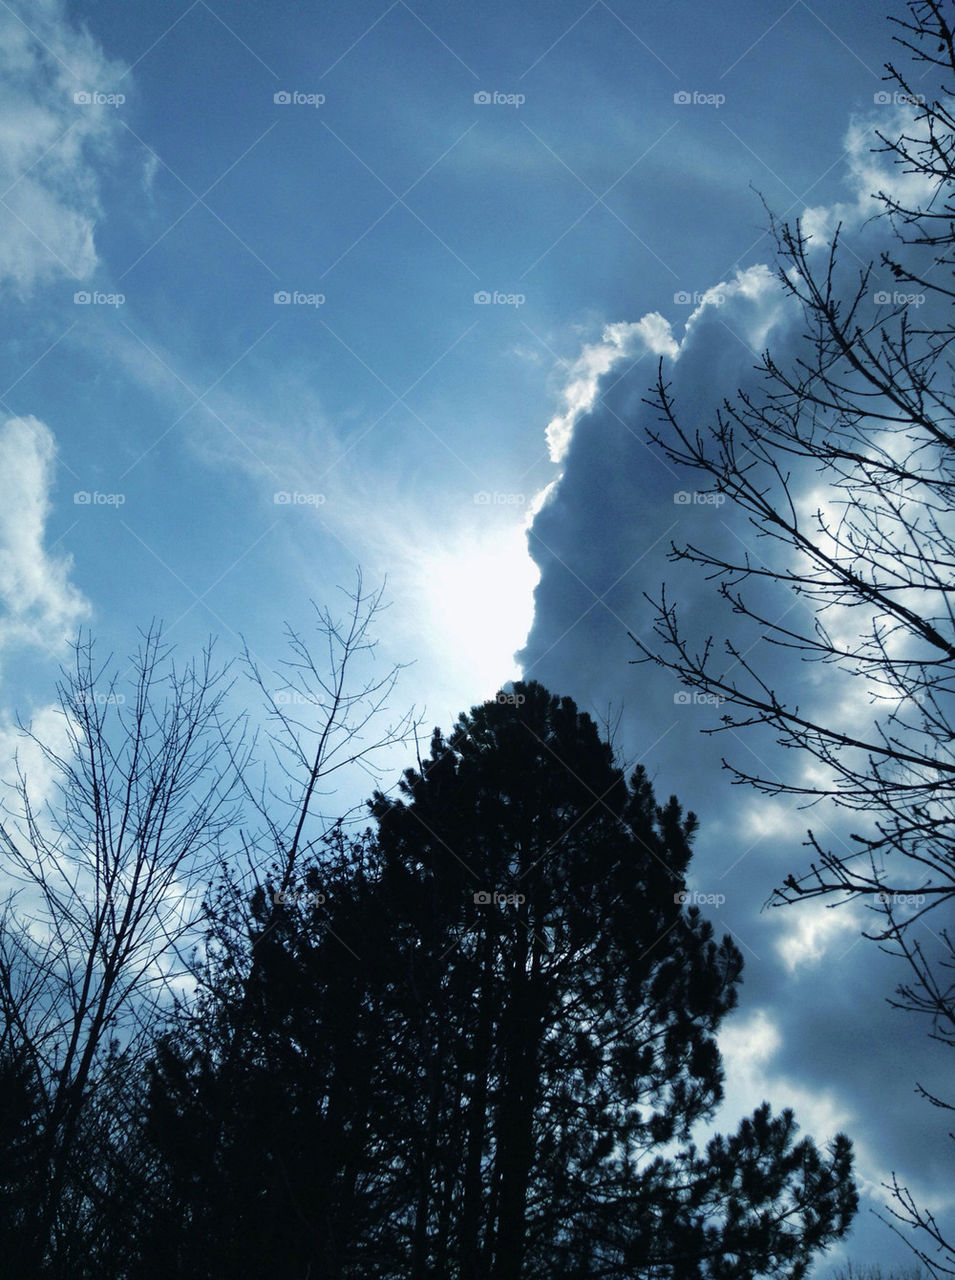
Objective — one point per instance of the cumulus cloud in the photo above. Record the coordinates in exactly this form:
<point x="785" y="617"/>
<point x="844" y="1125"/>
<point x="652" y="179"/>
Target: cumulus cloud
<point x="48" y="142"/>
<point x="51" y="727"/>
<point x="623" y="345"/>
<point x="601" y="541"/>
<point x="868" y="171"/>
<point x="808" y="942"/>
<point x="618" y="343"/>
<point x="39" y="606"/>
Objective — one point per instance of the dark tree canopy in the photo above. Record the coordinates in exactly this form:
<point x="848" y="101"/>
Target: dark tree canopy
<point x="155" y="788"/>
<point x="480" y="1038"/>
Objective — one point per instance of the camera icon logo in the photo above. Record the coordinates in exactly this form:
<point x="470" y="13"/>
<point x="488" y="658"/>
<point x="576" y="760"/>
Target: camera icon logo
<point x="681" y="98"/>
<point x="682" y="698"/>
<point x="81" y="499"/>
<point x="282" y="297"/>
<point x="681" y="897"/>
<point x="283" y="498"/>
<point x="283" y="97"/>
<point x="682" y="498"/>
<point x="82" y="298"/>
<point x="482" y="897"/>
<point x="482" y="98"/>
<point x="482" y="298"/>
<point x="882" y="298"/>
<point x="682" y="298"/>
<point x="882" y="99"/>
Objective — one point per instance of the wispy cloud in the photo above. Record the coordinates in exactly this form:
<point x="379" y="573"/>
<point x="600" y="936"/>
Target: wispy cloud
<point x="49" y="191"/>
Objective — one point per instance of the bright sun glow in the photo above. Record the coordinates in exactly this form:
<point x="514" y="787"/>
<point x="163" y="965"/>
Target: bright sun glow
<point x="478" y="594"/>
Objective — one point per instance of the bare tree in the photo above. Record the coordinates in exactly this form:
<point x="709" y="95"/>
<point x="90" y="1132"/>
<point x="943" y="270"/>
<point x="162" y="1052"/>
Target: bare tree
<point x="327" y="718"/>
<point x="107" y="870"/>
<point x="867" y="413"/>
<point x="112" y="873"/>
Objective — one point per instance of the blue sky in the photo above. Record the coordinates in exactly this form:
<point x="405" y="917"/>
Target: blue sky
<point x="170" y="170"/>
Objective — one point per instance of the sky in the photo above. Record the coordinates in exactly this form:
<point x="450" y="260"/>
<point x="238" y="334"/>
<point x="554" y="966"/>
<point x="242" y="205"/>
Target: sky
<point x="291" y="289"/>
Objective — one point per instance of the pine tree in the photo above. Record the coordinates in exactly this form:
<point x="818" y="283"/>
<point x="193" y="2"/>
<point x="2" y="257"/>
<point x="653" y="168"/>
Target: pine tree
<point x="483" y="1052"/>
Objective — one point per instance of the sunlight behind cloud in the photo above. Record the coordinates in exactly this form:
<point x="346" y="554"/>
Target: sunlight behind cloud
<point x="478" y="597"/>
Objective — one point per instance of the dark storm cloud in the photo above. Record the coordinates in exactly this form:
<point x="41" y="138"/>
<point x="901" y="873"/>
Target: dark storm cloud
<point x="814" y="1027"/>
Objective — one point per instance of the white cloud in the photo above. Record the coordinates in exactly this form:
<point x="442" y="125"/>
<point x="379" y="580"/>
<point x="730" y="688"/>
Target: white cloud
<point x="868" y="171"/>
<point x="813" y="933"/>
<point x="763" y="818"/>
<point x="51" y="727"/>
<point x="618" y="342"/>
<point x="47" y="143"/>
<point x="39" y="606"/>
<point x="751" y="304"/>
<point x="750" y="1045"/>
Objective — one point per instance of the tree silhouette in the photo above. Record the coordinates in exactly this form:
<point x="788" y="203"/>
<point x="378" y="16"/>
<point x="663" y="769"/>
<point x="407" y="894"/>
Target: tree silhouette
<point x="476" y="1044"/>
<point x="103" y="874"/>
<point x="109" y="870"/>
